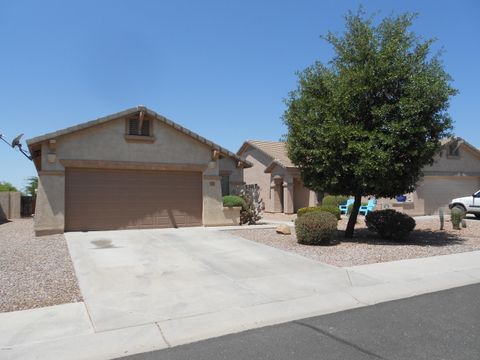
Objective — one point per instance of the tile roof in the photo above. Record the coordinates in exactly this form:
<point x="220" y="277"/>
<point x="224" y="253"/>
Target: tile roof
<point x="277" y="150"/>
<point x="134" y="110"/>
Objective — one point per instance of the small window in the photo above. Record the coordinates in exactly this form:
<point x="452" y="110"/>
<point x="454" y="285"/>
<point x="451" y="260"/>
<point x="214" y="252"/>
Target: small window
<point x="139" y="127"/>
<point x="225" y="182"/>
<point x="453" y="150"/>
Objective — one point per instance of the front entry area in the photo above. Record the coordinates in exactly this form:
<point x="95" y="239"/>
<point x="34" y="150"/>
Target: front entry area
<point x="111" y="199"/>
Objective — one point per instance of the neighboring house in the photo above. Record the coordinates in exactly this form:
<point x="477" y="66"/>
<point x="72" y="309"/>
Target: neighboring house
<point x="278" y="179"/>
<point x="132" y="169"/>
<point x="455" y="173"/>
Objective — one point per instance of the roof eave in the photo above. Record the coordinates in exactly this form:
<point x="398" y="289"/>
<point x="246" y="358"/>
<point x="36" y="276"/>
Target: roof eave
<point x="75" y="128"/>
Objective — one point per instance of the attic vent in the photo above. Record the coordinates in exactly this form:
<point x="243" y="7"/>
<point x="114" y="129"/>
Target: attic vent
<point x="139" y="127"/>
<point x="453" y="150"/>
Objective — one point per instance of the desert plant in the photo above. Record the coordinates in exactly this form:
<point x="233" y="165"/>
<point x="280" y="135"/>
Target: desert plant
<point x="251" y="213"/>
<point x="234" y="200"/>
<point x="316" y="228"/>
<point x="456" y="217"/>
<point x="441" y="214"/>
<point x="390" y="224"/>
<point x="332" y="200"/>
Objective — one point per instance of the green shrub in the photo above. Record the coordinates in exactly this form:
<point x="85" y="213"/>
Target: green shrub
<point x="316" y="228"/>
<point x="233" y="200"/>
<point x="457" y="216"/>
<point x="334" y="200"/>
<point x="334" y="210"/>
<point x="390" y="224"/>
<point x="306" y="210"/>
<point x="330" y="209"/>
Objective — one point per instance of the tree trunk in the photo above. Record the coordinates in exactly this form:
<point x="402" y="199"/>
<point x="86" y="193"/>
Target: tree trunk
<point x="352" y="220"/>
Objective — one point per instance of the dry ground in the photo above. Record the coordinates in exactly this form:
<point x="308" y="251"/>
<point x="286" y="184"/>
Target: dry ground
<point x="367" y="248"/>
<point x="34" y="272"/>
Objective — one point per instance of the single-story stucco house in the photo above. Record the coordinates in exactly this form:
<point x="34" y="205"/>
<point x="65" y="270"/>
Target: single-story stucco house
<point x="455" y="173"/>
<point x="278" y="179"/>
<point x="132" y="169"/>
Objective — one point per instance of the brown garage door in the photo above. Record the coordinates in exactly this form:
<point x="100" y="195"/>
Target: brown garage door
<point x="98" y="199"/>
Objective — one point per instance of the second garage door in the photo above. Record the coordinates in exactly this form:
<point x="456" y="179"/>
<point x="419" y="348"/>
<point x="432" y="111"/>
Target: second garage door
<point x="98" y="199"/>
<point x="437" y="191"/>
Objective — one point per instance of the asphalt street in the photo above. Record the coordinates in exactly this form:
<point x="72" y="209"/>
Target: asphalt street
<point x="441" y="325"/>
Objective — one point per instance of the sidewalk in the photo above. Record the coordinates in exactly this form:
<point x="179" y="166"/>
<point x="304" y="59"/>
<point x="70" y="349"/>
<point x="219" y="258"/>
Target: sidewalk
<point x="66" y="331"/>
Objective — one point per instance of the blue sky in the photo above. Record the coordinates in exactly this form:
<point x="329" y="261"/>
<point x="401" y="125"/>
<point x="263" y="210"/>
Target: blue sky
<point x="219" y="68"/>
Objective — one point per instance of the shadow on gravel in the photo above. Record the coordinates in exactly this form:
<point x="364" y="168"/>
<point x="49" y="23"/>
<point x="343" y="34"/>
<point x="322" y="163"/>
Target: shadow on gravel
<point x="417" y="237"/>
<point x="4" y="221"/>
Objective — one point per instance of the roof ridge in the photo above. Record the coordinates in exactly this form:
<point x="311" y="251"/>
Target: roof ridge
<point x="123" y="113"/>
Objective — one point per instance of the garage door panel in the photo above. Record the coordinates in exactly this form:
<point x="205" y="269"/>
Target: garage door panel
<point x="437" y="192"/>
<point x="120" y="199"/>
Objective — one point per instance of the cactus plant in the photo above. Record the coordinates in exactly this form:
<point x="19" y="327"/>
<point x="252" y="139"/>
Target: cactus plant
<point x="457" y="216"/>
<point x="441" y="214"/>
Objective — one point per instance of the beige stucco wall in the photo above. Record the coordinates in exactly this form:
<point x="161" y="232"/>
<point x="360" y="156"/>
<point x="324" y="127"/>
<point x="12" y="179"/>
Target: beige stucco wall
<point x="10" y="205"/>
<point x="50" y="207"/>
<point x="448" y="178"/>
<point x="256" y="175"/>
<point x="467" y="162"/>
<point x="294" y="195"/>
<point x="106" y="142"/>
<point x="236" y="174"/>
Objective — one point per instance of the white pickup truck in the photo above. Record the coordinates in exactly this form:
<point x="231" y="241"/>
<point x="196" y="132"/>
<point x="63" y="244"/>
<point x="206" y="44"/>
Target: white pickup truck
<point x="468" y="204"/>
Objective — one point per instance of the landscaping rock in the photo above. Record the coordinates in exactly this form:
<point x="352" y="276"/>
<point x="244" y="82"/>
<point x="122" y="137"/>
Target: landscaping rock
<point x="283" y="229"/>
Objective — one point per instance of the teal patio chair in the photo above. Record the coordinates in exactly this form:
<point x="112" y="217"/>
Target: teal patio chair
<point x="344" y="207"/>
<point x="365" y="209"/>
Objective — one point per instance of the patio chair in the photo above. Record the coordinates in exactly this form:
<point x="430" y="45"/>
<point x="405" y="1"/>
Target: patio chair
<point x="344" y="207"/>
<point x="365" y="209"/>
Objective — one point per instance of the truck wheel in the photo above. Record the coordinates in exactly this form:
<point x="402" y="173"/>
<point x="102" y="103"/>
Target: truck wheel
<point x="477" y="216"/>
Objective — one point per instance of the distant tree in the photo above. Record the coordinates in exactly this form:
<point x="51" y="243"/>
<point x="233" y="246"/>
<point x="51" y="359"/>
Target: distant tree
<point x="6" y="186"/>
<point x="366" y="123"/>
<point x="32" y="185"/>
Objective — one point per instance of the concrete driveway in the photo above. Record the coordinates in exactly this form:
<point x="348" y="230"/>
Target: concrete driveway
<point x="136" y="277"/>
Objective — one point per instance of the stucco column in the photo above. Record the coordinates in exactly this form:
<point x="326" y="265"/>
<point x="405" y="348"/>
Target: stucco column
<point x="276" y="194"/>
<point x="288" y="197"/>
<point x="50" y="207"/>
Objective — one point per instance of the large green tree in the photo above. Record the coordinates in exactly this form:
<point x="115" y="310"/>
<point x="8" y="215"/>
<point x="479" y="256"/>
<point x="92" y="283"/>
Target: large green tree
<point x="6" y="186"/>
<point x="366" y="123"/>
<point x="32" y="186"/>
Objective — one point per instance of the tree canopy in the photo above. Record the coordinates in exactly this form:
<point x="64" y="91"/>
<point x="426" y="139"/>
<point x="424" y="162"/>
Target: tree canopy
<point x="6" y="186"/>
<point x="32" y="185"/>
<point x="368" y="121"/>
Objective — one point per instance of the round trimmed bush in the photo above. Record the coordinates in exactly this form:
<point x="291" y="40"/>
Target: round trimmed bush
<point x="390" y="224"/>
<point x="334" y="210"/>
<point x="330" y="209"/>
<point x="316" y="228"/>
<point x="233" y="200"/>
<point x="307" y="210"/>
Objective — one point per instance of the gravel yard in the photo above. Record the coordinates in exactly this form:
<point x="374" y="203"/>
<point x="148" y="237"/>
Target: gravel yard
<point x="366" y="248"/>
<point x="34" y="272"/>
